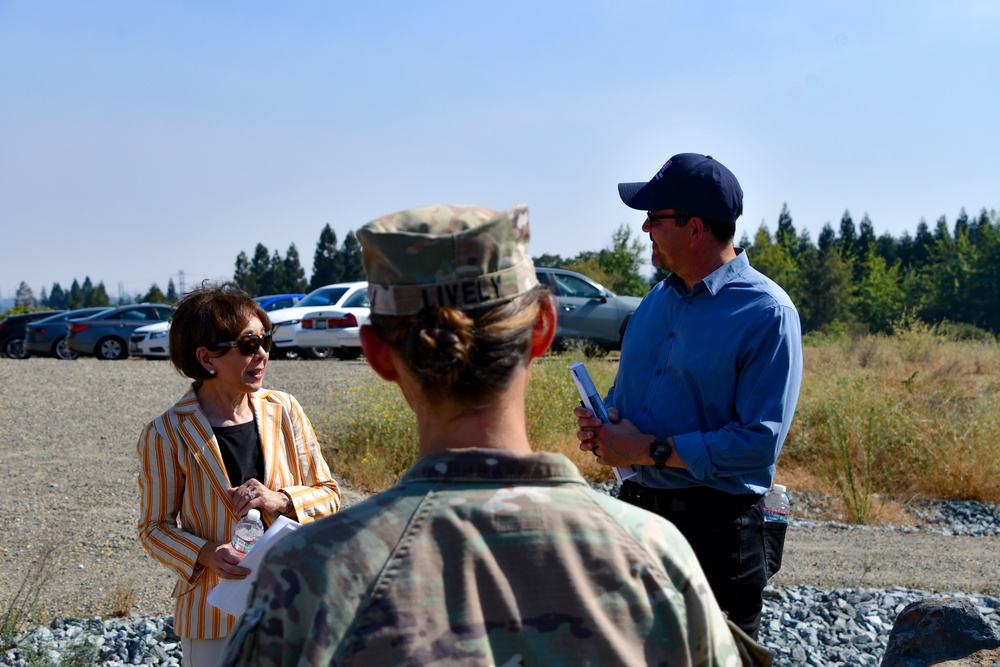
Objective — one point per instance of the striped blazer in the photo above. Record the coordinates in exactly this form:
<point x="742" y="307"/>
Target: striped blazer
<point x="183" y="482"/>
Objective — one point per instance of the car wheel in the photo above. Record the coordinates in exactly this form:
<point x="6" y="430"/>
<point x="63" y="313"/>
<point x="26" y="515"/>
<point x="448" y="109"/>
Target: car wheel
<point x="61" y="350"/>
<point x="15" y="349"/>
<point x="319" y="352"/>
<point x="111" y="349"/>
<point x="347" y="353"/>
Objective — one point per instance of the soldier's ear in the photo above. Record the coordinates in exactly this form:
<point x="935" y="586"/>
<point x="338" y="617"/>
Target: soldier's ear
<point x="545" y="327"/>
<point x="379" y="355"/>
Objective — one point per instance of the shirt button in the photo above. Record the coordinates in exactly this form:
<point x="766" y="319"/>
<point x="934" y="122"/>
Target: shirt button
<point x="670" y="335"/>
<point x="659" y="372"/>
<point x="645" y="408"/>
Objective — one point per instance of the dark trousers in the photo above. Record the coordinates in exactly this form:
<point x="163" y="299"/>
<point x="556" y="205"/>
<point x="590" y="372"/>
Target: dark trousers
<point x="727" y="535"/>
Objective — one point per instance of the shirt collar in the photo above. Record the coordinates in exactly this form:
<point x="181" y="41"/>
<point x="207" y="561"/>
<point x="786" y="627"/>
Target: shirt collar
<point x="717" y="279"/>
<point x="493" y="465"/>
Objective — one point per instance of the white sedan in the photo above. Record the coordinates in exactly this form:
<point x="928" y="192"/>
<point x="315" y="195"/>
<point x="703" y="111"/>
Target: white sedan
<point x="296" y="332"/>
<point x="335" y="329"/>
<point x="151" y="341"/>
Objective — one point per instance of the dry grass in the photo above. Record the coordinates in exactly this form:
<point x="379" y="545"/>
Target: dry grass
<point x="925" y="408"/>
<point x="920" y="416"/>
<point x="374" y="432"/>
<point x="120" y="602"/>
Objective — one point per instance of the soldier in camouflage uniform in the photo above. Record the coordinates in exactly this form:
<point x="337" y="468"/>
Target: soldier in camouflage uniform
<point x="485" y="553"/>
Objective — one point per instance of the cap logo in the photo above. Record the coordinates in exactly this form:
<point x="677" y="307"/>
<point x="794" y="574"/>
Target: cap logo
<point x="663" y="169"/>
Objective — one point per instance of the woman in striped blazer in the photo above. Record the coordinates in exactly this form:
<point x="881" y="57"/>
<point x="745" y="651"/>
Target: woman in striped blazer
<point x="227" y="446"/>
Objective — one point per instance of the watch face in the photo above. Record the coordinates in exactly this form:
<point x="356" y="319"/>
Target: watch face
<point x="660" y="453"/>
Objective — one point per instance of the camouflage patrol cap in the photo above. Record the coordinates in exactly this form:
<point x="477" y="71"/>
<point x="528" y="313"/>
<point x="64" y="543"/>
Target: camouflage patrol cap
<point x="453" y="256"/>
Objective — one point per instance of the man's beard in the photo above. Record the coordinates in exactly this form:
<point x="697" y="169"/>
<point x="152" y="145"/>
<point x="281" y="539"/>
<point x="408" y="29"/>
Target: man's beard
<point x="655" y="258"/>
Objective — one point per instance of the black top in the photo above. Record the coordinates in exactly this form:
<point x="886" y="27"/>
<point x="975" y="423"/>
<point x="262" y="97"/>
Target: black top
<point x="240" y="446"/>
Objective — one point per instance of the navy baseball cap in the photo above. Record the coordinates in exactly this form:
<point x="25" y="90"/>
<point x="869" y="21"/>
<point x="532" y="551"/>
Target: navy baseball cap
<point x="689" y="182"/>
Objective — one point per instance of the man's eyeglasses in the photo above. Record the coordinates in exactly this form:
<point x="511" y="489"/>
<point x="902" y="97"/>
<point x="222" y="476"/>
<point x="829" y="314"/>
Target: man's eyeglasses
<point x="656" y="217"/>
<point x="248" y="344"/>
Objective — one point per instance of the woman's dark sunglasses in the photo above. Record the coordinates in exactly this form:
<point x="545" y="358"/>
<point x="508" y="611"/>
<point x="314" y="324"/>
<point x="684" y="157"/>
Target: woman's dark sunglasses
<point x="247" y="344"/>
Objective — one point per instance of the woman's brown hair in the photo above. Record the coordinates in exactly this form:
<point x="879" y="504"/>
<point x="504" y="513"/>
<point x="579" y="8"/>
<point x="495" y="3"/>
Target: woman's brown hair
<point x="210" y="314"/>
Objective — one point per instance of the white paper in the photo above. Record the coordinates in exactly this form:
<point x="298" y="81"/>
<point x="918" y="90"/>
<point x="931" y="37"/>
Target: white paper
<point x="592" y="401"/>
<point x="233" y="595"/>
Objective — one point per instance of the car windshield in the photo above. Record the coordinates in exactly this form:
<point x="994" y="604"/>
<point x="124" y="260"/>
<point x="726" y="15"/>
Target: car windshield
<point x="324" y="296"/>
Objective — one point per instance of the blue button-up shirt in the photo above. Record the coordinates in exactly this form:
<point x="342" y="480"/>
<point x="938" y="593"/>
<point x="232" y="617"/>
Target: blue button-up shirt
<point x="719" y="369"/>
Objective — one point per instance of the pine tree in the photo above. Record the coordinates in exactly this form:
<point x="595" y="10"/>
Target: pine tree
<point x="75" y="298"/>
<point x="243" y="276"/>
<point x="171" y="292"/>
<point x="848" y="236"/>
<point x="25" y="298"/>
<point x="295" y="275"/>
<point x="154" y="295"/>
<point x="923" y="244"/>
<point x="57" y="297"/>
<point x="785" y="236"/>
<point x="827" y="238"/>
<point x="87" y="291"/>
<point x="260" y="266"/>
<point x="99" y="296"/>
<point x="826" y="290"/>
<point x="276" y="283"/>
<point x="354" y="268"/>
<point x="328" y="263"/>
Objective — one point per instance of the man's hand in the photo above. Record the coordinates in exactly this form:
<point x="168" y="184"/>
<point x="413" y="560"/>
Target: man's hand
<point x="617" y="444"/>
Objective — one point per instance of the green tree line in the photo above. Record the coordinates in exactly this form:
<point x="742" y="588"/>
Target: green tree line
<point x="267" y="273"/>
<point x="851" y="280"/>
<point x="848" y="281"/>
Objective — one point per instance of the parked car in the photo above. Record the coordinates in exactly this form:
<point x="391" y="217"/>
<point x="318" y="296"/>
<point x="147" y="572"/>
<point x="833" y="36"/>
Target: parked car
<point x="47" y="336"/>
<point x="151" y="341"/>
<point x="338" y="329"/>
<point x="271" y="302"/>
<point x="106" y="335"/>
<point x="588" y="311"/>
<point x="288" y="322"/>
<point x="12" y="330"/>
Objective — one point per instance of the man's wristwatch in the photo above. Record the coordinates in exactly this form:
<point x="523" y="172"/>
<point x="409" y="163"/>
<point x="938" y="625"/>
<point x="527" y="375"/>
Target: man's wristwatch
<point x="660" y="451"/>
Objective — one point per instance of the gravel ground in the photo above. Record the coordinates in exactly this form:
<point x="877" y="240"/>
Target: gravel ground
<point x="67" y="435"/>
<point x="68" y="442"/>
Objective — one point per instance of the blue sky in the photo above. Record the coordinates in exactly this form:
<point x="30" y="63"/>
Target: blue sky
<point x="141" y="139"/>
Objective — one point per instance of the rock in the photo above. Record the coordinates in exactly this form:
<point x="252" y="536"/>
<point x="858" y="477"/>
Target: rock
<point x="930" y="631"/>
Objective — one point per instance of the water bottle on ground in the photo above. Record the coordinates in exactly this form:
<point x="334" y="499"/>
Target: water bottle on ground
<point x="776" y="505"/>
<point x="248" y="531"/>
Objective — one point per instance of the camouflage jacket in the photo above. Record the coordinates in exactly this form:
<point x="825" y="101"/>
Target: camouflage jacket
<point x="484" y="557"/>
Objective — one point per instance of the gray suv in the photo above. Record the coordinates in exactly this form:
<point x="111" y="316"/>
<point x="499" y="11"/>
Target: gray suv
<point x="587" y="310"/>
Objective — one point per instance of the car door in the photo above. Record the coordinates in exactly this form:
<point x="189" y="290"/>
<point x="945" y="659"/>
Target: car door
<point x="139" y="316"/>
<point x="584" y="310"/>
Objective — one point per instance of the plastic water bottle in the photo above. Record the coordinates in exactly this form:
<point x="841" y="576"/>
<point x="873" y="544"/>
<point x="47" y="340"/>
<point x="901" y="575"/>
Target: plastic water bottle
<point x="776" y="505"/>
<point x="248" y="531"/>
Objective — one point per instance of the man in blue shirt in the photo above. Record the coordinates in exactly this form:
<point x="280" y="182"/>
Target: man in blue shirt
<point x="710" y="371"/>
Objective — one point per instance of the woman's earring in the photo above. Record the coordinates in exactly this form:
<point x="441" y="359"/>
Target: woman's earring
<point x="211" y="371"/>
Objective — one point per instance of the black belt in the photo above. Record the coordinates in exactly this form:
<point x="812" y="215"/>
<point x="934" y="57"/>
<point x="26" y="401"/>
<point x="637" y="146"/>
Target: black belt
<point x="676" y="501"/>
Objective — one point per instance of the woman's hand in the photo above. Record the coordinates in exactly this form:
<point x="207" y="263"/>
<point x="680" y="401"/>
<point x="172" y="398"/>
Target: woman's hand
<point x="252" y="493"/>
<point x="221" y="558"/>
